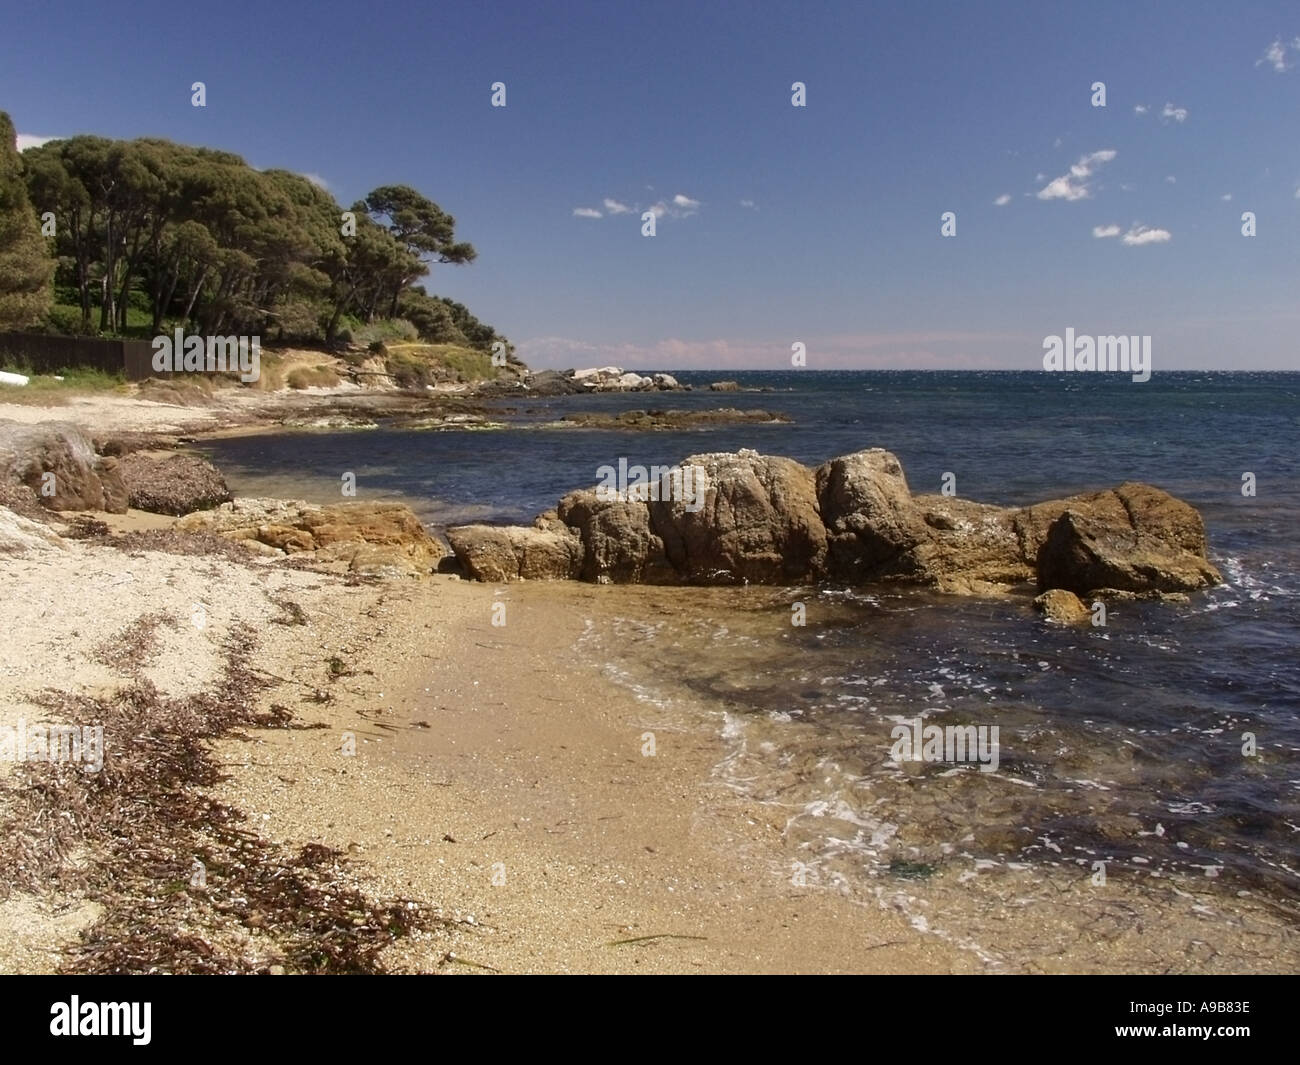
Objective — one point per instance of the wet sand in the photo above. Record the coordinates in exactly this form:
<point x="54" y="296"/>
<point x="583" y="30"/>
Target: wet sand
<point x="511" y="789"/>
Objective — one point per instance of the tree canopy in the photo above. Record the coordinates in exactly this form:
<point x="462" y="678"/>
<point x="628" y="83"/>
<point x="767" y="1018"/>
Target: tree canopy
<point x="200" y="238"/>
<point x="26" y="267"/>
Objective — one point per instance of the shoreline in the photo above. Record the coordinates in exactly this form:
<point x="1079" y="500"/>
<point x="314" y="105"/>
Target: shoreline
<point x="503" y="753"/>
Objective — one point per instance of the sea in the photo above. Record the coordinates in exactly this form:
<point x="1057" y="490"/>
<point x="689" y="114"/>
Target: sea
<point x="1162" y="746"/>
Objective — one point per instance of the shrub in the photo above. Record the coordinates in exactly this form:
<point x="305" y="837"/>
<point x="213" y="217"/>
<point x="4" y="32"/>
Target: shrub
<point x="313" y="377"/>
<point x="398" y="329"/>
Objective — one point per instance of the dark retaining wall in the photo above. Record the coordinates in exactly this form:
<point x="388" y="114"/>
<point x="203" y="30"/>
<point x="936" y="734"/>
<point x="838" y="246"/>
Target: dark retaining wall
<point x="45" y="353"/>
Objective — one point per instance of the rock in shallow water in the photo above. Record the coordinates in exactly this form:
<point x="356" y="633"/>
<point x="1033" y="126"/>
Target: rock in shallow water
<point x="751" y="518"/>
<point x="1063" y="607"/>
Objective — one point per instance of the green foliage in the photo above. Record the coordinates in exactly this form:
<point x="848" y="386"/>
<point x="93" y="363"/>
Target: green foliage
<point x="408" y="371"/>
<point x="151" y="232"/>
<point x="64" y="318"/>
<point x="385" y="329"/>
<point x="417" y="365"/>
<point x="26" y="266"/>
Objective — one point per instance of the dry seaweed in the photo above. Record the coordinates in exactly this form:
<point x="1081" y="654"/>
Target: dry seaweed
<point x="185" y="885"/>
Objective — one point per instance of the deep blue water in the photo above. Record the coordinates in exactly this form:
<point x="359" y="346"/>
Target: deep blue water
<point x="1128" y="740"/>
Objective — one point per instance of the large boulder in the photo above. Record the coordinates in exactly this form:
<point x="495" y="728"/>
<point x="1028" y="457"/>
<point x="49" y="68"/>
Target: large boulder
<point x="496" y="553"/>
<point x="970" y="548"/>
<point x="378" y="539"/>
<point x="82" y="479"/>
<point x="1134" y="538"/>
<point x="871" y="519"/>
<point x="172" y="484"/>
<point x="751" y="519"/>
<point x="618" y="543"/>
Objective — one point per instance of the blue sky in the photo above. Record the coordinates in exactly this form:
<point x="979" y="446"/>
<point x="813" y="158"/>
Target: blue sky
<point x="817" y="224"/>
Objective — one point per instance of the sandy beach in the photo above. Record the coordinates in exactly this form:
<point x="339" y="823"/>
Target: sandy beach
<point x="458" y="751"/>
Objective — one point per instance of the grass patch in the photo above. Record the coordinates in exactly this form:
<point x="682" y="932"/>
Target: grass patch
<point x="47" y="390"/>
<point x="313" y="377"/>
<point x="415" y="365"/>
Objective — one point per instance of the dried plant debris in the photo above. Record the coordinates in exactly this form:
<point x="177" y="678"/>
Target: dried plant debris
<point x="291" y="613"/>
<point x="135" y="647"/>
<point x="173" y="542"/>
<point x="185" y="885"/>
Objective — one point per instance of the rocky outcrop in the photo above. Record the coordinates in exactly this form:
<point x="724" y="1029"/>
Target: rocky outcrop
<point x="1134" y="538"/>
<point x="668" y="420"/>
<point x="747" y="517"/>
<point x="172" y="484"/>
<point x="547" y="551"/>
<point x="617" y="542"/>
<point x="59" y="462"/>
<point x="376" y="539"/>
<point x="872" y="521"/>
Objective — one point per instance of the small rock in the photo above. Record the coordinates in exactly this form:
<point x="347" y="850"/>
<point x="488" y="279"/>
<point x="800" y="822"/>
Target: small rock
<point x="1063" y="607"/>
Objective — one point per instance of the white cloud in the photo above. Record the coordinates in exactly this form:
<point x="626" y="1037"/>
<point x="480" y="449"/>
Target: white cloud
<point x="1073" y="186"/>
<point x="1178" y="114"/>
<point x="750" y="204"/>
<point x="1062" y="189"/>
<point x="585" y="212"/>
<point x="1226" y="197"/>
<point x="614" y="207"/>
<point x="1275" y="55"/>
<point x="1101" y="232"/>
<point x="1040" y="176"/>
<point x="1002" y="200"/>
<point x="1141" y="109"/>
<point x="1297" y="192"/>
<point x="680" y="206"/>
<point x="1171" y="180"/>
<point x="33" y="140"/>
<point x="318" y="181"/>
<point x="1139" y="235"/>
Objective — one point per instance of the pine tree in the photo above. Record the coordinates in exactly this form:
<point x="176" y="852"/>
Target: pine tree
<point x="26" y="266"/>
